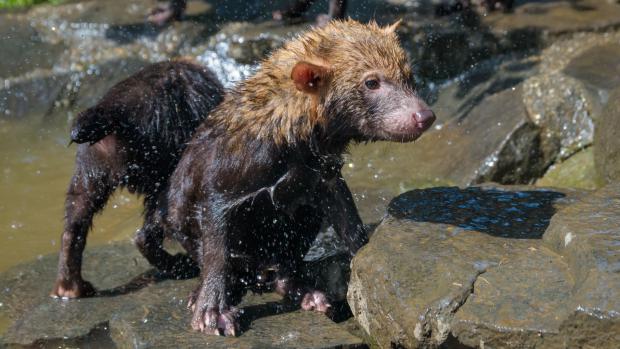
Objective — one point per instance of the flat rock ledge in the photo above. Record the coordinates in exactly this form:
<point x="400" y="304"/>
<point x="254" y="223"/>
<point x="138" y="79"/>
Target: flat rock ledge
<point x="136" y="309"/>
<point x="492" y="267"/>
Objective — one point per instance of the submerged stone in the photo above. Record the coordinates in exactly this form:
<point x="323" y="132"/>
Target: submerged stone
<point x="470" y="268"/>
<point x="137" y="309"/>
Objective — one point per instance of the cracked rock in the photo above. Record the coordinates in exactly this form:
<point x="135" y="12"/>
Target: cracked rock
<point x="461" y="268"/>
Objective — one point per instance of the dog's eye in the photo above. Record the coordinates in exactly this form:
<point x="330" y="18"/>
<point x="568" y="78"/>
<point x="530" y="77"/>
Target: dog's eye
<point x="372" y="84"/>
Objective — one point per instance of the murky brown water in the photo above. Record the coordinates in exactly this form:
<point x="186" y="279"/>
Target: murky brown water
<point x="36" y="166"/>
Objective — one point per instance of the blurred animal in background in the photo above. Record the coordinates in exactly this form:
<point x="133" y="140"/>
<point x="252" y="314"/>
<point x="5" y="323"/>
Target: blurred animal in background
<point x="174" y="10"/>
<point x="447" y="7"/>
<point x="132" y="138"/>
<point x="337" y="10"/>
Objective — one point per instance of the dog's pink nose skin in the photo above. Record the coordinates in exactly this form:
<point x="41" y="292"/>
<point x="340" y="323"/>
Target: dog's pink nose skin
<point x="424" y="118"/>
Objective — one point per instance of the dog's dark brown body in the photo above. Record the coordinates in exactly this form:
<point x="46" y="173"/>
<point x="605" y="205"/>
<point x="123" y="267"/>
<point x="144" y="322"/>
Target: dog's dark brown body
<point x="132" y="138"/>
<point x="263" y="171"/>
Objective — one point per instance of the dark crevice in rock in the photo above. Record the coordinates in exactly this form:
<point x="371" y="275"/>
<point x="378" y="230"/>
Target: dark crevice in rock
<point x="435" y="324"/>
<point x="453" y="343"/>
<point x="520" y="159"/>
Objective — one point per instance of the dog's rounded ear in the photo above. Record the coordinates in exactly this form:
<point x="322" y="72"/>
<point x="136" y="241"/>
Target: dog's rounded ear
<point x="310" y="77"/>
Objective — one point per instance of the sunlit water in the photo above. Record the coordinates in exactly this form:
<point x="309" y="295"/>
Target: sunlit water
<point x="36" y="165"/>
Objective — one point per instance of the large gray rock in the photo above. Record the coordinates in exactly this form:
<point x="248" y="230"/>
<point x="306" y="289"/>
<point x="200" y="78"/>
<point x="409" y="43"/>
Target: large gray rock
<point x="447" y="46"/>
<point x="136" y="309"/>
<point x="50" y="92"/>
<point x="470" y="268"/>
<point x="568" y="95"/>
<point x="587" y="235"/>
<point x="32" y="94"/>
<point x="20" y="39"/>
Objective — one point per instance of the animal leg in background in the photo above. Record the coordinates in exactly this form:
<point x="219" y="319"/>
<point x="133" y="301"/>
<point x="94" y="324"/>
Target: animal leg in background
<point x="149" y="240"/>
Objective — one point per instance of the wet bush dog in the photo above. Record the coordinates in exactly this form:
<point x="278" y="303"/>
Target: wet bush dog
<point x="263" y="170"/>
<point x="132" y="138"/>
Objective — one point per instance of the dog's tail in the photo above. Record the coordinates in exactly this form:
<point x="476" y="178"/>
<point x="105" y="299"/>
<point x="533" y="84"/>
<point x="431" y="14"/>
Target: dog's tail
<point x="91" y="125"/>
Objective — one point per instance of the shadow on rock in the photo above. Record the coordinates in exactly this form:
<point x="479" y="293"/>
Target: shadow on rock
<point x="503" y="213"/>
<point x="149" y="277"/>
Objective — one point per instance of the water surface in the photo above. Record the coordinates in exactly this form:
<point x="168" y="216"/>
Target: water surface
<point x="35" y="167"/>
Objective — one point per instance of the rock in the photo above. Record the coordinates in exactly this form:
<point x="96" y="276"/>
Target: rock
<point x="234" y="52"/>
<point x="249" y="43"/>
<point x="575" y="172"/>
<point x="50" y="92"/>
<point x="607" y="143"/>
<point x="587" y="235"/>
<point x="573" y="86"/>
<point x="86" y="87"/>
<point x="32" y="94"/>
<point x="471" y="267"/>
<point x="19" y="39"/>
<point x="447" y="46"/>
<point x="546" y="21"/>
<point x="136" y="309"/>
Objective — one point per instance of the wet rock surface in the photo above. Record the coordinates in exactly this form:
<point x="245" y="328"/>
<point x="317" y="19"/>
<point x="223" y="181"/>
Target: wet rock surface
<point x="578" y="171"/>
<point x="544" y="20"/>
<point x="503" y="267"/>
<point x="137" y="309"/>
<point x="568" y="95"/>
<point x="607" y="150"/>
